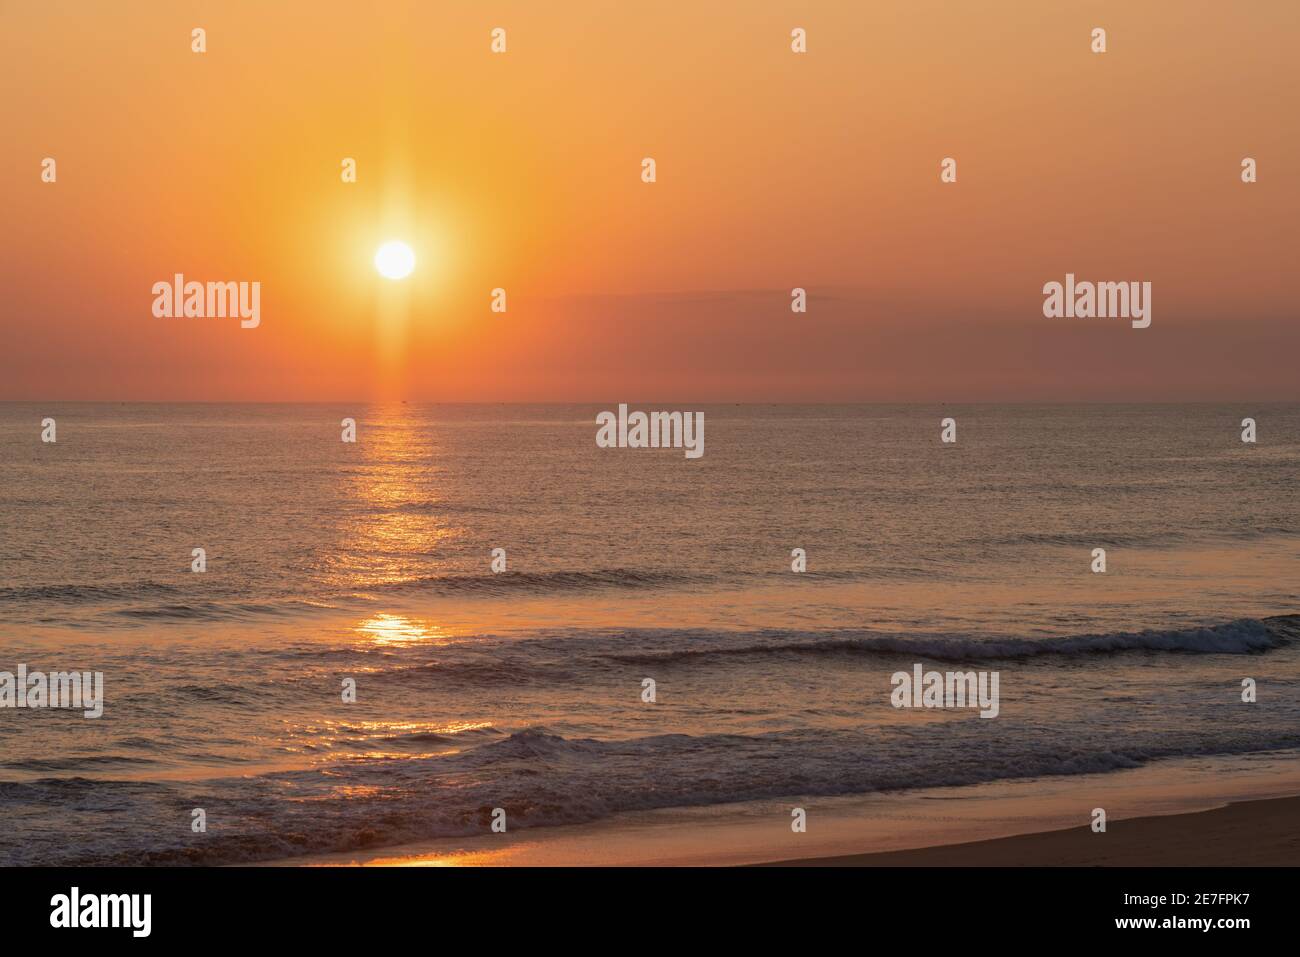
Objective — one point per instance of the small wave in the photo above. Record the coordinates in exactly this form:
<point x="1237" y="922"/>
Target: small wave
<point x="445" y="736"/>
<point x="1105" y="539"/>
<point x="46" y="792"/>
<point x="1161" y="539"/>
<point x="217" y="611"/>
<point x="76" y="763"/>
<point x="126" y="591"/>
<point x="508" y="671"/>
<point x="540" y="742"/>
<point x="1245" y="636"/>
<point x="545" y="582"/>
<point x="226" y="693"/>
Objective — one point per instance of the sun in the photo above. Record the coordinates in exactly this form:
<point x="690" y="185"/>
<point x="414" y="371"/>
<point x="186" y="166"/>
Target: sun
<point x="394" y="259"/>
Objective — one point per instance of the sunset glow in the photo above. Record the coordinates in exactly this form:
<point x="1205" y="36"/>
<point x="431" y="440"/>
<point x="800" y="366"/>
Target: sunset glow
<point x="521" y="170"/>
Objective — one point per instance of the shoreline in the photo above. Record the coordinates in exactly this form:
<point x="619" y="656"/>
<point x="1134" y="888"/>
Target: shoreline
<point x="1157" y="815"/>
<point x="1263" y="833"/>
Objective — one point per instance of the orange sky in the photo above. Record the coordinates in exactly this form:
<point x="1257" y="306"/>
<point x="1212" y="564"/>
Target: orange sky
<point x="775" y="170"/>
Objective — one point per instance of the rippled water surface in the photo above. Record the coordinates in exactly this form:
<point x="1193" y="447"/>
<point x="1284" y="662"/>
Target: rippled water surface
<point x="522" y="690"/>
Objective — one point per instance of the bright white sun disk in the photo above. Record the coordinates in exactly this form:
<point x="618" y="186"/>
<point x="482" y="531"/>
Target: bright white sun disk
<point x="394" y="260"/>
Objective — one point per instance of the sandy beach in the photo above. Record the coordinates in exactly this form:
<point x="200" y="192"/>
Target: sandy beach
<point x="1248" y="834"/>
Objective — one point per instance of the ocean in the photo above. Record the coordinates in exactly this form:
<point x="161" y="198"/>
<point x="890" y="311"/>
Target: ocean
<point x="523" y="690"/>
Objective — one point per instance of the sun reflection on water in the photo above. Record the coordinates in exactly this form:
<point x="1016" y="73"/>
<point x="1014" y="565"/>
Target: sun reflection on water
<point x="400" y="631"/>
<point x="477" y="858"/>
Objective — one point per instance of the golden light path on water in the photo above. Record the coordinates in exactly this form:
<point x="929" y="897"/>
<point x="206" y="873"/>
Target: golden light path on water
<point x="400" y="631"/>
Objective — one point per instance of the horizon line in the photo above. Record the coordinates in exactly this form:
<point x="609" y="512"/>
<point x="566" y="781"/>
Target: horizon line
<point x="658" y="402"/>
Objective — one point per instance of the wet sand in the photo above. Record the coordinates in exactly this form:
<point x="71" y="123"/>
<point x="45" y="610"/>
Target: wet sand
<point x="1246" y="834"/>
